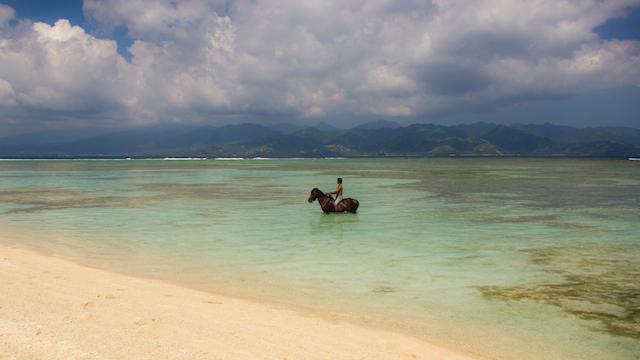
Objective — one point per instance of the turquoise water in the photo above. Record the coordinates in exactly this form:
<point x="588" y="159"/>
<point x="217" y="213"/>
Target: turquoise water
<point x="508" y="258"/>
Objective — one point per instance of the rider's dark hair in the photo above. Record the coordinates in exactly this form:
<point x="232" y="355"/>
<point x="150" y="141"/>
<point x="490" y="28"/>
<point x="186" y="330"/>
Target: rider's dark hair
<point x="340" y="180"/>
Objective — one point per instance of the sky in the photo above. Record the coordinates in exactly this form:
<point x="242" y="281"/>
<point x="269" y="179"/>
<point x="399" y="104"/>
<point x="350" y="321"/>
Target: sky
<point x="121" y="63"/>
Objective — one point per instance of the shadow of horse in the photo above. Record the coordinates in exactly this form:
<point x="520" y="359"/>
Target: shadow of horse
<point x="327" y="203"/>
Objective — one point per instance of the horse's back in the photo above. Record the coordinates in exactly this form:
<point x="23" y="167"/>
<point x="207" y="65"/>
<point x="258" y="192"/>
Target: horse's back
<point x="353" y="204"/>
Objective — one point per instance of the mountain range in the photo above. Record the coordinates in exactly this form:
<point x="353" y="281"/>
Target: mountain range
<point x="377" y="138"/>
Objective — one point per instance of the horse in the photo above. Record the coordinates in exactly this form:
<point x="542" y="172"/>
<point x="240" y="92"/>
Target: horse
<point x="327" y="203"/>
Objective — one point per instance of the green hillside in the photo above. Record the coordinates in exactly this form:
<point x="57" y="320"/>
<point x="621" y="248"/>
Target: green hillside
<point x="418" y="140"/>
<point x="588" y="135"/>
<point x="429" y="141"/>
<point x="372" y="139"/>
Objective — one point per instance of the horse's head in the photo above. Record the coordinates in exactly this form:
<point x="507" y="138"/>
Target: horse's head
<point x="315" y="194"/>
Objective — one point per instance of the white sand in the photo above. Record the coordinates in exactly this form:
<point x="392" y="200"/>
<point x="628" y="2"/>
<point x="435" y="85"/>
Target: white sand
<point x="51" y="308"/>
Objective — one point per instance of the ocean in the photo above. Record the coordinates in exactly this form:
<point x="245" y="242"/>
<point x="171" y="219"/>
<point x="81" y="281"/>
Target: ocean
<point x="521" y="257"/>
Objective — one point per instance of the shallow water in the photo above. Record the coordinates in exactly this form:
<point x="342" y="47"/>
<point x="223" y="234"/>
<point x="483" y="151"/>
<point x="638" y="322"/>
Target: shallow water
<point x="510" y="258"/>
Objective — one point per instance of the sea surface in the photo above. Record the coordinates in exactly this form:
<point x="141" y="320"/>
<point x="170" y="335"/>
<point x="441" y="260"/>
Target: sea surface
<point x="509" y="258"/>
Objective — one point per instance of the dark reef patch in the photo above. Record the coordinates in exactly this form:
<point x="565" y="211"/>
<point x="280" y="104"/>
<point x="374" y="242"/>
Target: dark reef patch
<point x="38" y="198"/>
<point x="600" y="283"/>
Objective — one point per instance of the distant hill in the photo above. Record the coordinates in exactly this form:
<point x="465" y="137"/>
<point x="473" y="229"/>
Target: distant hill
<point x="379" y="138"/>
<point x="478" y="129"/>
<point x="307" y="142"/>
<point x="438" y="141"/>
<point x="588" y="135"/>
<point x="545" y="130"/>
<point x="573" y="135"/>
<point x="417" y="140"/>
<point x="230" y="133"/>
<point x="53" y="136"/>
<point x="380" y="124"/>
<point x="287" y="129"/>
<point x="155" y="141"/>
<point x="325" y="127"/>
<point x="518" y="142"/>
<point x="603" y="149"/>
<point x="628" y="134"/>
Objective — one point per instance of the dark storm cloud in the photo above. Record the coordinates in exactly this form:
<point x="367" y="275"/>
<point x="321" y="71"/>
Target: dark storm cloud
<point x="487" y="46"/>
<point x="451" y="79"/>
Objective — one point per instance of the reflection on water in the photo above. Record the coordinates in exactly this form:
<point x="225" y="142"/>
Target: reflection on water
<point x="535" y="258"/>
<point x="333" y="225"/>
<point x="213" y="215"/>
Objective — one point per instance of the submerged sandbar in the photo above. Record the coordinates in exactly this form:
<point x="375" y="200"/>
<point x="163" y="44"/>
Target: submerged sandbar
<point x="55" y="308"/>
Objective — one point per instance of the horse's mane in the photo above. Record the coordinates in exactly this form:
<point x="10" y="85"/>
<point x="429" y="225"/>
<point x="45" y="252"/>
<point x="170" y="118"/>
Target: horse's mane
<point x="320" y="191"/>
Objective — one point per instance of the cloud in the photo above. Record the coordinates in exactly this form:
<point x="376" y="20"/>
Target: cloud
<point x="6" y="13"/>
<point x="63" y="71"/>
<point x="197" y="60"/>
<point x="314" y="112"/>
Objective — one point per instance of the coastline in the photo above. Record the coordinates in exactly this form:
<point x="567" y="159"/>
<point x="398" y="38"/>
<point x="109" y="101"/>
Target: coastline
<point x="55" y="308"/>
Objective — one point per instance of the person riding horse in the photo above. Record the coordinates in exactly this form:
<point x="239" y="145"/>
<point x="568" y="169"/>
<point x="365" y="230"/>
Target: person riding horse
<point x="338" y="193"/>
<point x="329" y="205"/>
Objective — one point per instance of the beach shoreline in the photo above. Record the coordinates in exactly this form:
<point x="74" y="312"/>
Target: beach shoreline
<point x="55" y="308"/>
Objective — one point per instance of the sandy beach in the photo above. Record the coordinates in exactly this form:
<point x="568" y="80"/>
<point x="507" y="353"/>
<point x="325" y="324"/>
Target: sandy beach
<point x="53" y="308"/>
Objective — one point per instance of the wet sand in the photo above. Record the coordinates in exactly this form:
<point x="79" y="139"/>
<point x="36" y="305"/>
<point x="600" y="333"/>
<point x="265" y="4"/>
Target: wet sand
<point x="53" y="308"/>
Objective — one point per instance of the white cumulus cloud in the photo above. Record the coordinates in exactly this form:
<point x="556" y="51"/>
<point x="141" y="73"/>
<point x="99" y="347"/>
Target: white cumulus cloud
<point x="62" y="70"/>
<point x="6" y="13"/>
<point x="199" y="60"/>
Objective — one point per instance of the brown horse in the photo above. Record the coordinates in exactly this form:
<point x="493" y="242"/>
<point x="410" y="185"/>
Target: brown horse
<point x="327" y="203"/>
